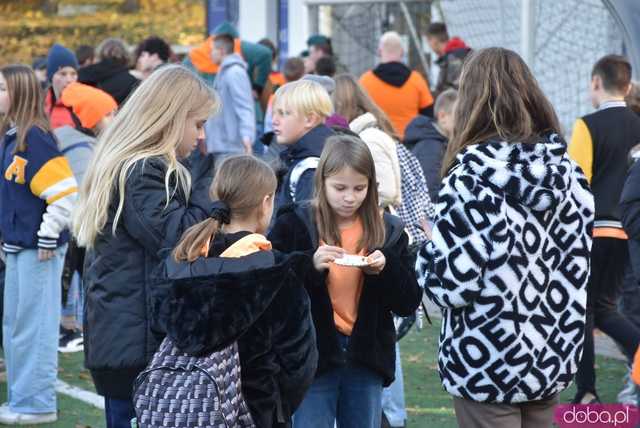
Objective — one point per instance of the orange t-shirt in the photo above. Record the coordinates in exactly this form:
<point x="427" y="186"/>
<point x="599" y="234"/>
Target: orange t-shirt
<point x="400" y="104"/>
<point x="345" y="282"/>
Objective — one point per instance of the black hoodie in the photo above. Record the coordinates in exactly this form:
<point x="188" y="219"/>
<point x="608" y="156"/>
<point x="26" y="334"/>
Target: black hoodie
<point x="256" y="300"/>
<point x="429" y="146"/>
<point x="630" y="210"/>
<point x="394" y="73"/>
<point x="111" y="77"/>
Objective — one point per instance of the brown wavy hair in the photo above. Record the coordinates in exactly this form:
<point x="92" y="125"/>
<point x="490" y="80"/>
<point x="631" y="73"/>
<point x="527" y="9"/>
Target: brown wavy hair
<point x="498" y="98"/>
<point x="26" y="108"/>
<point x="241" y="182"/>
<point x="340" y="152"/>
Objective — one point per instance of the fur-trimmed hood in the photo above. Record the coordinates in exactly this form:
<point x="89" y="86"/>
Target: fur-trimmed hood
<point x="247" y="284"/>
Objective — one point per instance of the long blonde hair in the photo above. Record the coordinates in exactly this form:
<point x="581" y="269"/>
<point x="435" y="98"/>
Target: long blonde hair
<point x="241" y="183"/>
<point x="26" y="108"/>
<point x="498" y="98"/>
<point x="151" y="124"/>
<point x="339" y="152"/>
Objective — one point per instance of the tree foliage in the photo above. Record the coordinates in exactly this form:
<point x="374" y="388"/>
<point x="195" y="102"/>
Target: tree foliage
<point x="27" y="30"/>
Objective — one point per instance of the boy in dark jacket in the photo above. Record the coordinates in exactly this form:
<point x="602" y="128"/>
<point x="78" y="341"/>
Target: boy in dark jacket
<point x="630" y="211"/>
<point x="299" y="111"/>
<point x="600" y="144"/>
<point x="428" y="139"/>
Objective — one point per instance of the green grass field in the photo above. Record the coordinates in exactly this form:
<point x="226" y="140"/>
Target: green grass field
<point x="428" y="405"/>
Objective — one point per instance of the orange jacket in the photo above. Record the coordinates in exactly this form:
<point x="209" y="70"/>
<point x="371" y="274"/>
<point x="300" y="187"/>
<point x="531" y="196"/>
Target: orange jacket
<point x="200" y="56"/>
<point x="401" y="104"/>
<point x="635" y="369"/>
<point x="59" y="115"/>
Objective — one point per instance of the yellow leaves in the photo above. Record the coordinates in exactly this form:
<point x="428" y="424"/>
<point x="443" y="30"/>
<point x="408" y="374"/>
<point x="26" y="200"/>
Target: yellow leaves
<point x="26" y="33"/>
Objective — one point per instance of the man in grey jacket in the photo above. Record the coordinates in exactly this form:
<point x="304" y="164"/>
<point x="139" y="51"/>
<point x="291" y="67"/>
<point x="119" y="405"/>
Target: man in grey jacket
<point x="233" y="130"/>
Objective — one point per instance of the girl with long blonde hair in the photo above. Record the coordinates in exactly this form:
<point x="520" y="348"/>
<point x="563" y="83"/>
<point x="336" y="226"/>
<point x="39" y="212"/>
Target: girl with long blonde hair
<point x="137" y="198"/>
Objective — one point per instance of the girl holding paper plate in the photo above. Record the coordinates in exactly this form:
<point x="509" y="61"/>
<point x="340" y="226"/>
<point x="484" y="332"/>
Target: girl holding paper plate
<point x="362" y="274"/>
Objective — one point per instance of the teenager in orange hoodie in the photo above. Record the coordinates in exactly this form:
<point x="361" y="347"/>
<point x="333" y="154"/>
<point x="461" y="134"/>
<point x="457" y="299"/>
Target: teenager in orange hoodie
<point x="258" y="58"/>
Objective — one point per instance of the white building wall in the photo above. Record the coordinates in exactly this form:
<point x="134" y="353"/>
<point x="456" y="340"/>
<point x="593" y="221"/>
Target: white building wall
<point x="259" y="18"/>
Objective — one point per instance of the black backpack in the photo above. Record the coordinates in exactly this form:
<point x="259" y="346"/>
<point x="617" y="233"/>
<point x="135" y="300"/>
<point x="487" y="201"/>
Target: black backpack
<point x="182" y="391"/>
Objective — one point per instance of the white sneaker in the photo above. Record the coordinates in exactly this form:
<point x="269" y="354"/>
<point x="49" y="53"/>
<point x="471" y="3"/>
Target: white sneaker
<point x="7" y="417"/>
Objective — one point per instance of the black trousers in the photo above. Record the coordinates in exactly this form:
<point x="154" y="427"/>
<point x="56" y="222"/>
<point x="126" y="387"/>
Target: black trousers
<point x="609" y="261"/>
<point x="629" y="303"/>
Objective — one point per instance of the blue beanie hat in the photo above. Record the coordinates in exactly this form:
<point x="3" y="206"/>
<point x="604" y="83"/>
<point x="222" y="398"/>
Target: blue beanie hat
<point x="59" y="57"/>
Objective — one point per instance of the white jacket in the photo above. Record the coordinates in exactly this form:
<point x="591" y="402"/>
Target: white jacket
<point x="509" y="263"/>
<point x="385" y="157"/>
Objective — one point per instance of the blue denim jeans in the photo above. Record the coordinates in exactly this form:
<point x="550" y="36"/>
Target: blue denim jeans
<point x="349" y="395"/>
<point x="393" y="397"/>
<point x="30" y="323"/>
<point x="118" y="412"/>
<point x="75" y="300"/>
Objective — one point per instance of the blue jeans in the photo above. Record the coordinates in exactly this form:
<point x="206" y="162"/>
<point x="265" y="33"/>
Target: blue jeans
<point x="75" y="300"/>
<point x="30" y="329"/>
<point x="118" y="412"/>
<point x="349" y="395"/>
<point x="393" y="397"/>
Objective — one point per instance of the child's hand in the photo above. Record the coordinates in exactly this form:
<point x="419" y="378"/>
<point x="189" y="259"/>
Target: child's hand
<point x="324" y="255"/>
<point x="377" y="261"/>
<point x="44" y="255"/>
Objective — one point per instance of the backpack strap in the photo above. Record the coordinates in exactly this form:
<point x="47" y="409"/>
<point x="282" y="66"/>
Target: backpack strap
<point x="297" y="171"/>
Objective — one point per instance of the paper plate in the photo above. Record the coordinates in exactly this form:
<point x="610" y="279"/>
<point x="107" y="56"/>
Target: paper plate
<point x="351" y="260"/>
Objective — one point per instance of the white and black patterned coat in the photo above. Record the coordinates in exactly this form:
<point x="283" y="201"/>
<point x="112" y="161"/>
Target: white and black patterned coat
<point x="509" y="263"/>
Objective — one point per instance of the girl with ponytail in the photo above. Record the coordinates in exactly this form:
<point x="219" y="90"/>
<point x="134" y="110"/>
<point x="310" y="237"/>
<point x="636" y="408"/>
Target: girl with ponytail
<point x="228" y="286"/>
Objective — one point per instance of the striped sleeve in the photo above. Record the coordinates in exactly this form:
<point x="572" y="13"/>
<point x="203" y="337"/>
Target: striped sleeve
<point x="54" y="182"/>
<point x="581" y="148"/>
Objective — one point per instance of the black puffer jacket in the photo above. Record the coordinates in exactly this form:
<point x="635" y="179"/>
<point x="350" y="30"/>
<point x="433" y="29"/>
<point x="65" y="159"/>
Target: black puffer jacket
<point x="120" y="330"/>
<point x="111" y="77"/>
<point x="394" y="290"/>
<point x="630" y="210"/>
<point x="429" y="146"/>
<point x="259" y="301"/>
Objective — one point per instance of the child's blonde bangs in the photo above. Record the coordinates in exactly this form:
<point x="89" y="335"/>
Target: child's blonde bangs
<point x="303" y="98"/>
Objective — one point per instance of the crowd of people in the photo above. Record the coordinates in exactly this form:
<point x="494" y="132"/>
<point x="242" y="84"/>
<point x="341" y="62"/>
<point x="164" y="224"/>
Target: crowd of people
<point x="233" y="245"/>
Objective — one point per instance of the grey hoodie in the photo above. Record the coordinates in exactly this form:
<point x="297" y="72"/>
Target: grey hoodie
<point x="77" y="148"/>
<point x="237" y="119"/>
